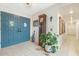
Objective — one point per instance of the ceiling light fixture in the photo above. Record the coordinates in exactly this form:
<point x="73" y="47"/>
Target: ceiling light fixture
<point x="28" y="4"/>
<point x="71" y="12"/>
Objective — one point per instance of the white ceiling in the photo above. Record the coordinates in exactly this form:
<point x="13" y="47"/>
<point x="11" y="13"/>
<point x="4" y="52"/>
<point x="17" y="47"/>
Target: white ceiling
<point x="65" y="12"/>
<point x="21" y="9"/>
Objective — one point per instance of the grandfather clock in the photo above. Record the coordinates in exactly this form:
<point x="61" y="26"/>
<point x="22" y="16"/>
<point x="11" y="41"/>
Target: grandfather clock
<point x="42" y="25"/>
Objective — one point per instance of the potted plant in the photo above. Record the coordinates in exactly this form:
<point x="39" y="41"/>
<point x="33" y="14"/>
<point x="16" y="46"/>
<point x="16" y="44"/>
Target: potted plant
<point x="48" y="42"/>
<point x="42" y="39"/>
<point x="51" y="40"/>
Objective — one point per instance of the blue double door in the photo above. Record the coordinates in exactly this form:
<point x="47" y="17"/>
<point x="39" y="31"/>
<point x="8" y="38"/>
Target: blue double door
<point x="14" y="29"/>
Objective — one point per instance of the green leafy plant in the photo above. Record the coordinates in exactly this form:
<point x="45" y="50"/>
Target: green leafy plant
<point x="51" y="39"/>
<point x="42" y="39"/>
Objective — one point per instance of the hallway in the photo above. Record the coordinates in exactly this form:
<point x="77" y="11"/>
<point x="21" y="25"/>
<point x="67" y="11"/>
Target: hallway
<point x="19" y="26"/>
<point x="70" y="46"/>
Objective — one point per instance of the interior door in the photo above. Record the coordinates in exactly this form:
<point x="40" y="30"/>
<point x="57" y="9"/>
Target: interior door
<point x="11" y="26"/>
<point x="16" y="35"/>
<point x="25" y="29"/>
<point x="21" y="32"/>
<point x="4" y="30"/>
<point x="14" y="29"/>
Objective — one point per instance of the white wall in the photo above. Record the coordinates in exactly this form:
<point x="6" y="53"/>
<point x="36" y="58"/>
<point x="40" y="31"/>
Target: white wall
<point x="51" y="11"/>
<point x="48" y="23"/>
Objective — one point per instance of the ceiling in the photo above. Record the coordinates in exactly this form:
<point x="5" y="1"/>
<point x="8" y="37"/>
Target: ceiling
<point x="22" y="9"/>
<point x="65" y="12"/>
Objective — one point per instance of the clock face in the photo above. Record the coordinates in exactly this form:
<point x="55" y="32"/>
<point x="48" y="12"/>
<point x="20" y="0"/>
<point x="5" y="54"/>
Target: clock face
<point x="41" y="19"/>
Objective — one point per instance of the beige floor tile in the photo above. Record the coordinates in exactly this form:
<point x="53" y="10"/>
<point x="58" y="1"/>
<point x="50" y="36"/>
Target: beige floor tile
<point x="69" y="47"/>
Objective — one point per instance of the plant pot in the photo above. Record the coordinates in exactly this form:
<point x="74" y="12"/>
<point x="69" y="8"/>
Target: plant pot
<point x="53" y="48"/>
<point x="48" y="48"/>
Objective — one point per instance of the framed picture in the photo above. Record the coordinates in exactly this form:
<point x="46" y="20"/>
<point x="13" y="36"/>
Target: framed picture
<point x="35" y="23"/>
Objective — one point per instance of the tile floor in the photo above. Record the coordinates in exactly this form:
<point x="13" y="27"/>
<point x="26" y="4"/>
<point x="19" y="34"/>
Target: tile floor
<point x="69" y="47"/>
<point x="22" y="49"/>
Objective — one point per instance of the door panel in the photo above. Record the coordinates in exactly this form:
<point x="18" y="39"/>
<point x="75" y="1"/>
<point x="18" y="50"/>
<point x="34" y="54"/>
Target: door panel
<point x="13" y="30"/>
<point x="11" y="24"/>
<point x="4" y="30"/>
<point x="26" y="29"/>
<point x="24" y="32"/>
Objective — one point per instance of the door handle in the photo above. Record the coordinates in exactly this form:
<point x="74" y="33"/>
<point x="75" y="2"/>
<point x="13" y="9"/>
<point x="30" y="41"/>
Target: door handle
<point x="19" y="30"/>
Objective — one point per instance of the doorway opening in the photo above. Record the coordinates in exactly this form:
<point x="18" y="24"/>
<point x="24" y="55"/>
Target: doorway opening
<point x="42" y="25"/>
